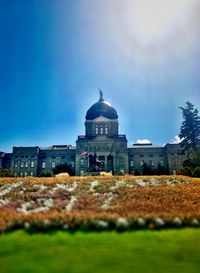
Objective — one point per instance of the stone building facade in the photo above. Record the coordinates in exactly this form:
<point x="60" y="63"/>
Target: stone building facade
<point x="101" y="148"/>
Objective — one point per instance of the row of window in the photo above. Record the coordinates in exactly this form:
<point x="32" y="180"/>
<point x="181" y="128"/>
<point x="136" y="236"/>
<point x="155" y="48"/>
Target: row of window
<point x="150" y="155"/>
<point x="24" y="164"/>
<point x="24" y="174"/>
<point x="101" y="129"/>
<point x="53" y="164"/>
<point x="152" y="163"/>
<point x="44" y="157"/>
<point x="25" y="156"/>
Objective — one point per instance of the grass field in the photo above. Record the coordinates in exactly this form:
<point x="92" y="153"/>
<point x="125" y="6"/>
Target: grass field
<point x="167" y="251"/>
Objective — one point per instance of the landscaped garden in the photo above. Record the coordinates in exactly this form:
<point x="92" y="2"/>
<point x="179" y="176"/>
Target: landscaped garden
<point x="100" y="224"/>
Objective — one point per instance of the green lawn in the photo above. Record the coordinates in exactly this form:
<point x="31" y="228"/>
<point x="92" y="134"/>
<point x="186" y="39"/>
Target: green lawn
<point x="139" y="251"/>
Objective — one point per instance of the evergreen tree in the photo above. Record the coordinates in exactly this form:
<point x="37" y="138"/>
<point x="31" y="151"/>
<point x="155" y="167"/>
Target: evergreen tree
<point x="190" y="128"/>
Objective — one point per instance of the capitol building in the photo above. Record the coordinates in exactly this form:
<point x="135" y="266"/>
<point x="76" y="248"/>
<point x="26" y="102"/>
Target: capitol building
<point x="101" y="148"/>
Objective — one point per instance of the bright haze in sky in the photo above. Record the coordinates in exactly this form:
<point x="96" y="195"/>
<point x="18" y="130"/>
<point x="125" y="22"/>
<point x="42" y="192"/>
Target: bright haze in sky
<point x="143" y="54"/>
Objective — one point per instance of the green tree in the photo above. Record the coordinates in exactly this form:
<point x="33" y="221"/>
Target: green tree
<point x="190" y="128"/>
<point x="6" y="173"/>
<point x="63" y="168"/>
<point x="46" y="174"/>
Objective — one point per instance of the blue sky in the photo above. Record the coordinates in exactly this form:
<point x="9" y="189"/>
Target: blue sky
<point x="55" y="54"/>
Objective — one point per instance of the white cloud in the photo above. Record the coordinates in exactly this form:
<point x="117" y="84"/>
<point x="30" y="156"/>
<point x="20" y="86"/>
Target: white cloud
<point x="176" y="140"/>
<point x="143" y="141"/>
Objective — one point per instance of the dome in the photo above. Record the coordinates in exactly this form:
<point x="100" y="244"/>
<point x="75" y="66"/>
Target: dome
<point x="101" y="108"/>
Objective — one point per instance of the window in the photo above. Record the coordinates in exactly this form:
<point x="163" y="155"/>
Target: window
<point x="16" y="164"/>
<point x="96" y="129"/>
<point x="152" y="162"/>
<point x="21" y="174"/>
<point x="121" y="161"/>
<point x="82" y="162"/>
<point x="106" y="129"/>
<point x="22" y="164"/>
<point x="132" y="163"/>
<point x="26" y="164"/>
<point x="53" y="164"/>
<point x="161" y="163"/>
<point x="32" y="164"/>
<point x="101" y="130"/>
<point x="15" y="174"/>
<point x="31" y="173"/>
<point x="141" y="155"/>
<point x="150" y="155"/>
<point x="43" y="165"/>
<point x="25" y="174"/>
<point x="72" y="164"/>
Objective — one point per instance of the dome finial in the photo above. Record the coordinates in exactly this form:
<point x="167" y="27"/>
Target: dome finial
<point x="101" y="95"/>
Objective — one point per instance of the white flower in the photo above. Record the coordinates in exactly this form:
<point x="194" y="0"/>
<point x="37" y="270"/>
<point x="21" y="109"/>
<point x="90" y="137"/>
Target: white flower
<point x="159" y="222"/>
<point x="10" y="187"/>
<point x="102" y="224"/>
<point x="141" y="182"/>
<point x="141" y="222"/>
<point x="121" y="184"/>
<point x="73" y="187"/>
<point x="46" y="223"/>
<point x="69" y="207"/>
<point x="27" y="225"/>
<point x="195" y="222"/>
<point x="64" y="187"/>
<point x="153" y="182"/>
<point x="65" y="226"/>
<point x="4" y="202"/>
<point x="27" y="207"/>
<point x="177" y="221"/>
<point x="122" y="223"/>
<point x="40" y="187"/>
<point x="107" y="202"/>
<point x="94" y="185"/>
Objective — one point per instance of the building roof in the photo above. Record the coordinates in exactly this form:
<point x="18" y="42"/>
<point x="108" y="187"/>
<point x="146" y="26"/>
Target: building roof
<point x="144" y="146"/>
<point x="58" y="147"/>
<point x="101" y="109"/>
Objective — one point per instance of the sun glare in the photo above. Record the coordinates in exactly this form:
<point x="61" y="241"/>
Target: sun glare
<point x="151" y="21"/>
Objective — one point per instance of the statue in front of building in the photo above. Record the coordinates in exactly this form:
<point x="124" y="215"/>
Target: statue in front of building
<point x="95" y="164"/>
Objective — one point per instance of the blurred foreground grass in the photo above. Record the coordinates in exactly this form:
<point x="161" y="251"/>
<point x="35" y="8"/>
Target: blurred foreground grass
<point x="139" y="251"/>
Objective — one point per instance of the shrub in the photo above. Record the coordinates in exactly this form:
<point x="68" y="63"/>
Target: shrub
<point x="46" y="174"/>
<point x="6" y="173"/>
<point x="188" y="171"/>
<point x="197" y="172"/>
<point x="63" y="168"/>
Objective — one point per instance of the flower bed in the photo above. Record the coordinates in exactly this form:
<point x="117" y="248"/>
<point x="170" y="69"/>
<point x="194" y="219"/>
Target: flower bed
<point x="99" y="203"/>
